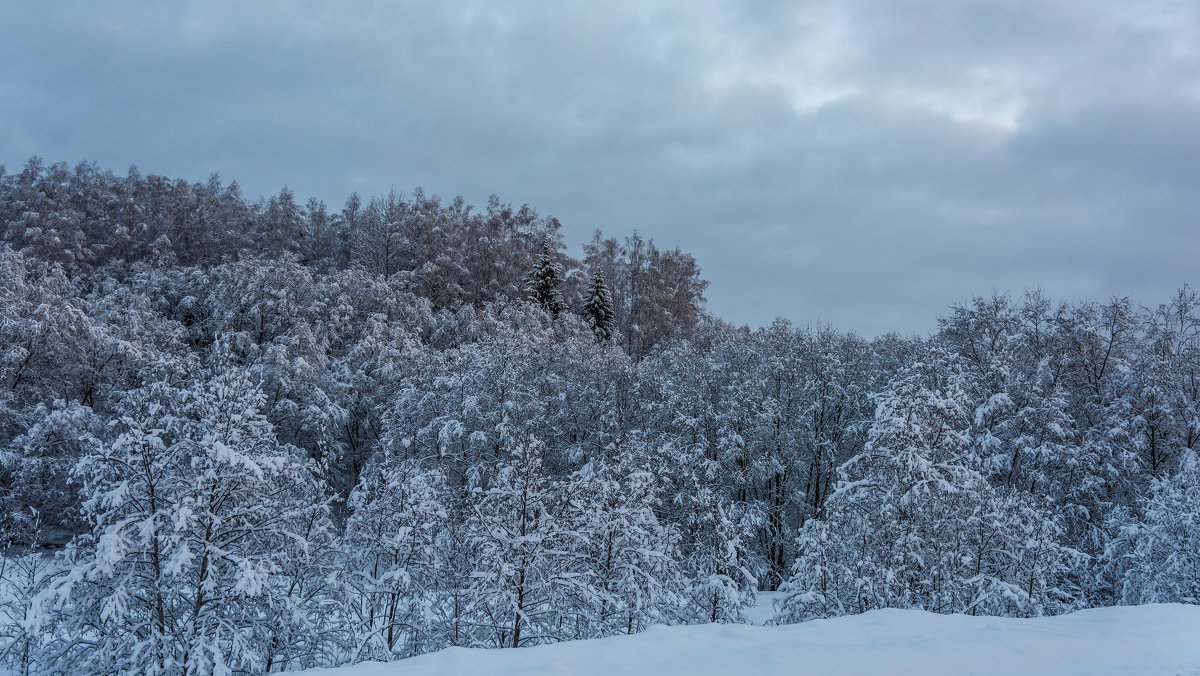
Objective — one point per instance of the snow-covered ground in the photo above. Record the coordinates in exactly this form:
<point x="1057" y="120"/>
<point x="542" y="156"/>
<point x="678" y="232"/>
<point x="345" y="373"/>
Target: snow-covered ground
<point x="764" y="607"/>
<point x="1141" y="640"/>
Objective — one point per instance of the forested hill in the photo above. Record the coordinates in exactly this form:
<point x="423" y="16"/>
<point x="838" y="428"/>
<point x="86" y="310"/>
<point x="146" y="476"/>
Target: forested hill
<point x="97" y="225"/>
<point x="275" y="436"/>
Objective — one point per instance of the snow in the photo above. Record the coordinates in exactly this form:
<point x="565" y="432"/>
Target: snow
<point x="1144" y="640"/>
<point x="764" y="609"/>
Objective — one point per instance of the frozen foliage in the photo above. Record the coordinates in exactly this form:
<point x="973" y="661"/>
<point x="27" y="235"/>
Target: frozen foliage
<point x="914" y="523"/>
<point x="203" y="529"/>
<point x="246" y="435"/>
<point x="42" y="498"/>
<point x="632" y="575"/>
<point x="1159" y="555"/>
<point x="528" y="563"/>
<point x="394" y="559"/>
<point x="22" y="576"/>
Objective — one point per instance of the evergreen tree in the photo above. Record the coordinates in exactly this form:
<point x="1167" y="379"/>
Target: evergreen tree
<point x="543" y="281"/>
<point x="598" y="311"/>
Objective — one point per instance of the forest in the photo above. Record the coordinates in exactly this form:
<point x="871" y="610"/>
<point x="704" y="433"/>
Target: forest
<point x="252" y="435"/>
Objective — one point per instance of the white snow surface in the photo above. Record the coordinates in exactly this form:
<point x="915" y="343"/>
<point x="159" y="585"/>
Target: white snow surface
<point x="1130" y="640"/>
<point x="764" y="609"/>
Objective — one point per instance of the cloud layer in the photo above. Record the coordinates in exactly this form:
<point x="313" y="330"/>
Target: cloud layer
<point x="863" y="163"/>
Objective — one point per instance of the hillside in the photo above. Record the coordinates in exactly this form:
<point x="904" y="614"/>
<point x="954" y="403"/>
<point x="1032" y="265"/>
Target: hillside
<point x="259" y="443"/>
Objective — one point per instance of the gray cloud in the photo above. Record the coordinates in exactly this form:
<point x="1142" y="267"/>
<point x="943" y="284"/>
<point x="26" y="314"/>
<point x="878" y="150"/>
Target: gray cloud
<point x="865" y="163"/>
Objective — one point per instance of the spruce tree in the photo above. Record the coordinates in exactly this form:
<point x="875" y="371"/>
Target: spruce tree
<point x="598" y="311"/>
<point x="543" y="281"/>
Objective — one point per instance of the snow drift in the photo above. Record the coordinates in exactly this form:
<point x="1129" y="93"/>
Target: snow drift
<point x="1143" y="640"/>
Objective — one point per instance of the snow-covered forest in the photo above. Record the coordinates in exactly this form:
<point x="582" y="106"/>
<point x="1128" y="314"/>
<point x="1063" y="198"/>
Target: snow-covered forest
<point x="250" y="435"/>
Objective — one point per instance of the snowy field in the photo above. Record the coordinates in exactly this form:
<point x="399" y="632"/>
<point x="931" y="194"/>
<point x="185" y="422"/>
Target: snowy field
<point x="1124" y="641"/>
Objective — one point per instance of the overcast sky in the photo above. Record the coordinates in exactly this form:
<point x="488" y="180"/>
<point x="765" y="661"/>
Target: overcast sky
<point x="861" y="163"/>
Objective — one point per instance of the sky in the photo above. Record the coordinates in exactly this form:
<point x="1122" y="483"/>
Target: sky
<point x="866" y="164"/>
